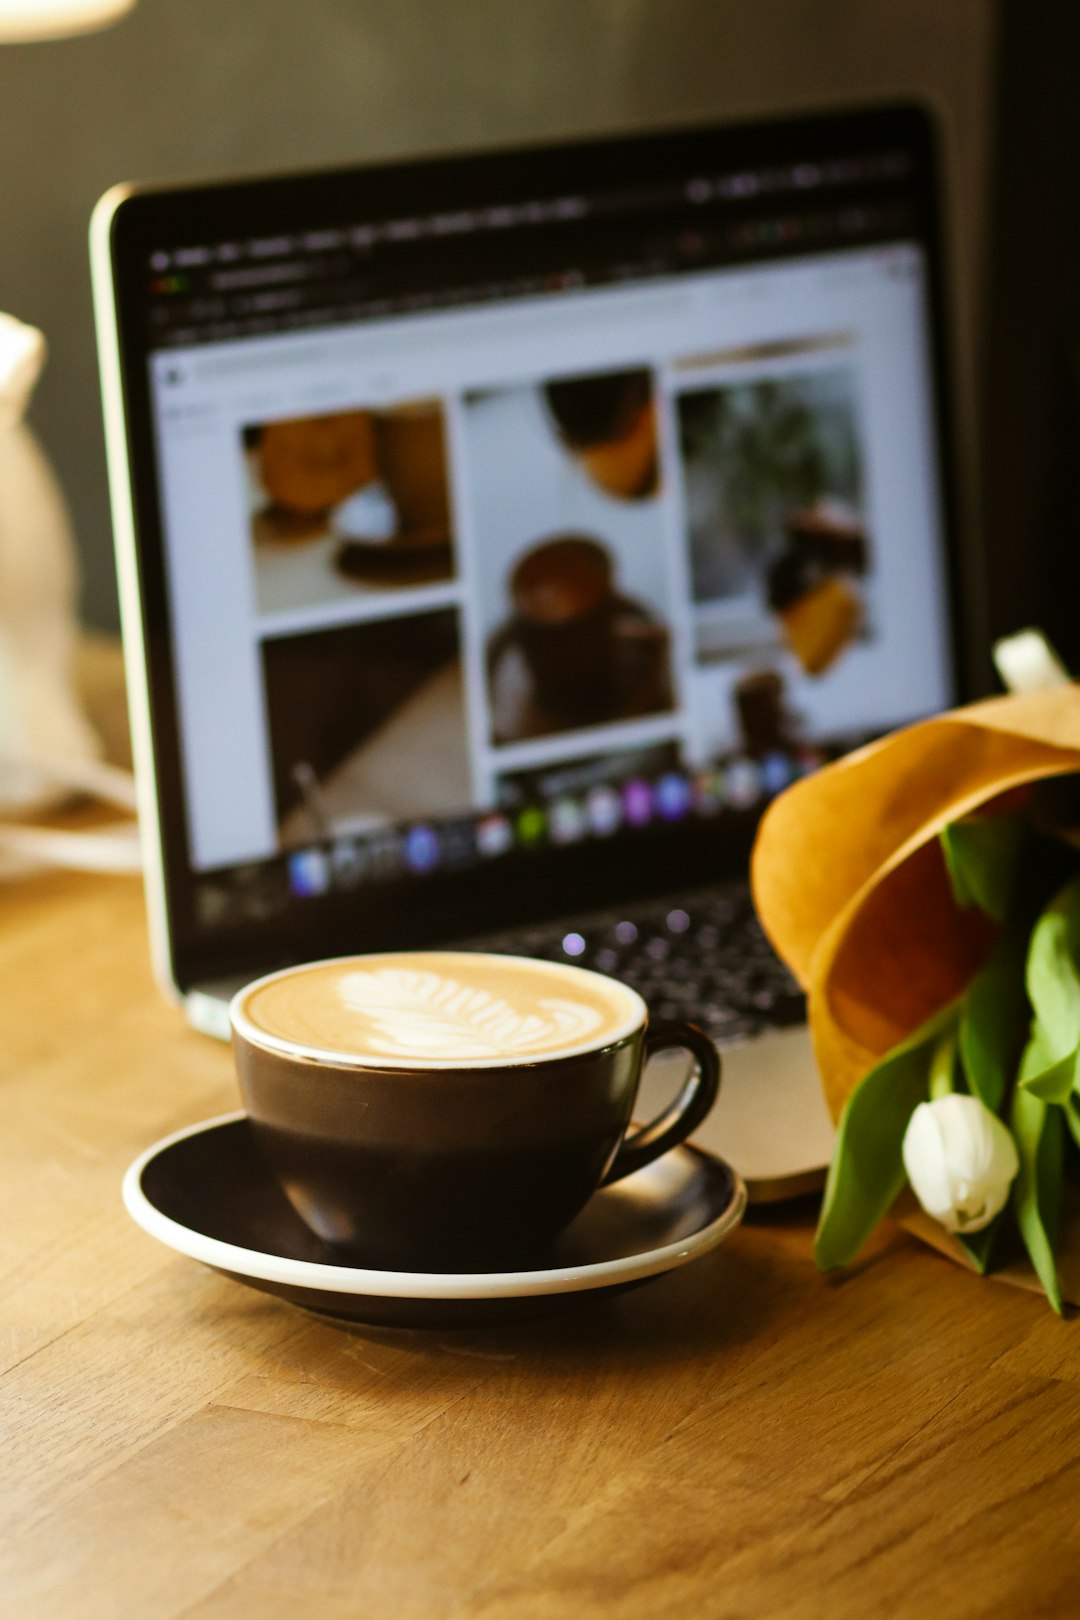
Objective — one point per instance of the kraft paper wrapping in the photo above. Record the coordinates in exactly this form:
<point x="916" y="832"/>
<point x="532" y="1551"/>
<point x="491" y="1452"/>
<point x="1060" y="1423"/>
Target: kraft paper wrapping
<point x="852" y="889"/>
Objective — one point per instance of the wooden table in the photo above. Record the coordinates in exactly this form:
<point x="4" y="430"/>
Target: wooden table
<point x="740" y="1438"/>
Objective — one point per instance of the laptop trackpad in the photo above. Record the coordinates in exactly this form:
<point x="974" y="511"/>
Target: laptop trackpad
<point x="770" y="1122"/>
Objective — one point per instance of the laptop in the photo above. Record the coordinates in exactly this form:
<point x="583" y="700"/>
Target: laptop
<point x="498" y="534"/>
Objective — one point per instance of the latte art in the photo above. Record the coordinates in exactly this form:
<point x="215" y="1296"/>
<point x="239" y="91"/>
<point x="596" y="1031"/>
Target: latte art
<point x="415" y="1012"/>
<point x="438" y="1009"/>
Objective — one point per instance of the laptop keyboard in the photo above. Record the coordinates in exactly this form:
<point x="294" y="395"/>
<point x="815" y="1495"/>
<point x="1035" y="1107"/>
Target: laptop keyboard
<point x="701" y="956"/>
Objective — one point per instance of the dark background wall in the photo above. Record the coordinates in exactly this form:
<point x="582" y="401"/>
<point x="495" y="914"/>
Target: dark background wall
<point x="201" y="87"/>
<point x="1030" y="335"/>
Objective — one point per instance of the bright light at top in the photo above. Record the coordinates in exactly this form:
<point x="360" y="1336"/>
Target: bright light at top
<point x="52" y="19"/>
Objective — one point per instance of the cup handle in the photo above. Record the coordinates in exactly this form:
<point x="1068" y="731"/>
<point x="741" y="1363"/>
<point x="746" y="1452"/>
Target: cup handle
<point x="688" y="1109"/>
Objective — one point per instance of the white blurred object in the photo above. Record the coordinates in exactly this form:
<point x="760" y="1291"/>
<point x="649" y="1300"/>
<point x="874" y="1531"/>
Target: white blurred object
<point x="370" y="514"/>
<point x="1026" y="662"/>
<point x="52" y="19"/>
<point x="40" y="718"/>
<point x="25" y="849"/>
<point x="48" y="750"/>
<point x="47" y="747"/>
<point x="960" y="1161"/>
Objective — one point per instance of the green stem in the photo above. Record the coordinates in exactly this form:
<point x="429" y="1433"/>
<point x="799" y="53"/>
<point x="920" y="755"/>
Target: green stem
<point x="943" y="1067"/>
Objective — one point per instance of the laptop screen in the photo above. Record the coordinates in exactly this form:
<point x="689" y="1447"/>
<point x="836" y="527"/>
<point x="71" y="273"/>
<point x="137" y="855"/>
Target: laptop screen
<point x="512" y="529"/>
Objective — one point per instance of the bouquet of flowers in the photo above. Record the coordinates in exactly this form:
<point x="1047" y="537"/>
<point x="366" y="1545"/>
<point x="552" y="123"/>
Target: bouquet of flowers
<point x="926" y="893"/>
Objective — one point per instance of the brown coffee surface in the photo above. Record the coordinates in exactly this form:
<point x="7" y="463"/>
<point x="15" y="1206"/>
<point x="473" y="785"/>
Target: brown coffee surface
<point x="561" y="579"/>
<point x="439" y="1009"/>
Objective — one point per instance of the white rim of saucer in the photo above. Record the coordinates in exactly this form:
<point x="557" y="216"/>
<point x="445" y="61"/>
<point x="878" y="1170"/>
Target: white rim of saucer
<point x="333" y="1279"/>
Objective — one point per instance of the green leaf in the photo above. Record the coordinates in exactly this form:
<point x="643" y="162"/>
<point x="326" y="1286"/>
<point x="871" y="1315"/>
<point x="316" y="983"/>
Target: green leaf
<point x="1037" y="1191"/>
<point x="995" y="1018"/>
<point x="1071" y="1111"/>
<point x="1053" y="978"/>
<point x="867" y="1170"/>
<point x="979" y="1246"/>
<point x="993" y="1022"/>
<point x="1054" y="1083"/>
<point x="942" y="1076"/>
<point x="982" y="856"/>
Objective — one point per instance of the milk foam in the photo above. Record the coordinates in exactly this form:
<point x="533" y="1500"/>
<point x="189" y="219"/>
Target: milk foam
<point x="438" y="1009"/>
<point x="423" y="1012"/>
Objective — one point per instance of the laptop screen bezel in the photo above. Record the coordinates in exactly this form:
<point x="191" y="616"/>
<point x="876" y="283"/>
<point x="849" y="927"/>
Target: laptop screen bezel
<point x="551" y="881"/>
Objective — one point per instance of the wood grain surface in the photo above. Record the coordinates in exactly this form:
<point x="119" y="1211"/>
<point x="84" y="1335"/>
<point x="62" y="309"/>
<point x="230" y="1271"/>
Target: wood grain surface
<point x="742" y="1438"/>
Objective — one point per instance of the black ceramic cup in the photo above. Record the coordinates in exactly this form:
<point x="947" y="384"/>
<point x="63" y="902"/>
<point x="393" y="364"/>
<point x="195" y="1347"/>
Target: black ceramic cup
<point x="452" y="1111"/>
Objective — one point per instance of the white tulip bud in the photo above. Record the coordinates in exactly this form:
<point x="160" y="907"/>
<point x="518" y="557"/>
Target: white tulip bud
<point x="960" y="1160"/>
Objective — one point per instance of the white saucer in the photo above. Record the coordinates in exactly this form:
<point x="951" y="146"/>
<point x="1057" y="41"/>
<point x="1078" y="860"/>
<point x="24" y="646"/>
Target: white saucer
<point x="207" y="1193"/>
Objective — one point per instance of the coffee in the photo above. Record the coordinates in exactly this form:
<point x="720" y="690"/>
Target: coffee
<point x="565" y="623"/>
<point x="412" y="461"/>
<point x="608" y="423"/>
<point x="444" y="1110"/>
<point x="562" y="579"/>
<point x="442" y="1009"/>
